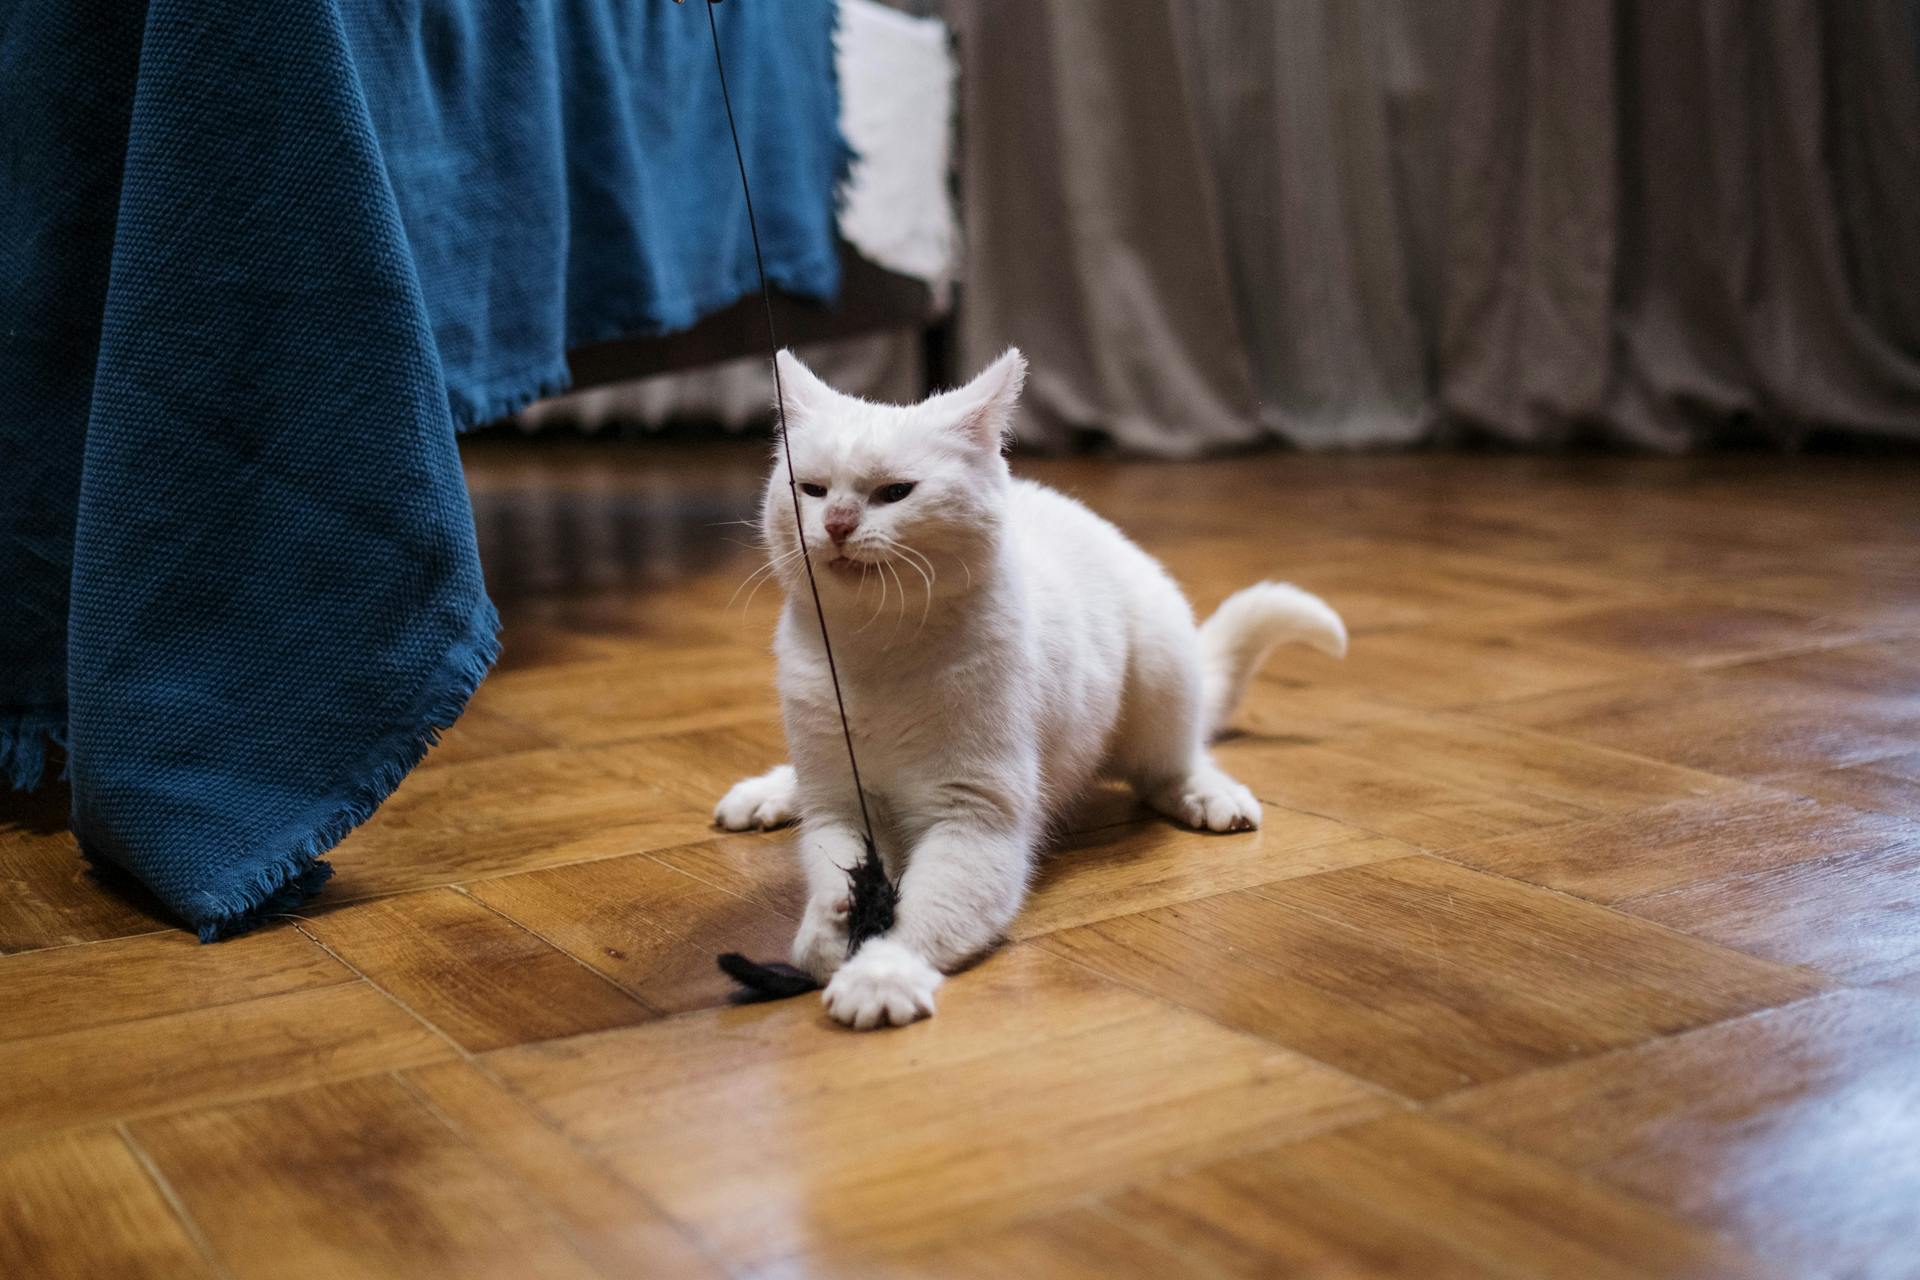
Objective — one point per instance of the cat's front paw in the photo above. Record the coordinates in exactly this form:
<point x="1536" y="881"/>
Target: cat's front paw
<point x="759" y="804"/>
<point x="885" y="984"/>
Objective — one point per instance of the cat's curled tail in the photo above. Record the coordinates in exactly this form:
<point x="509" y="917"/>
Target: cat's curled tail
<point x="1249" y="625"/>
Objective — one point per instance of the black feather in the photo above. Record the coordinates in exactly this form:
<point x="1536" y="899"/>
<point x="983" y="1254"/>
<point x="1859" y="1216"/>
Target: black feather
<point x="872" y="896"/>
<point x="871" y="899"/>
<point x="764" y="981"/>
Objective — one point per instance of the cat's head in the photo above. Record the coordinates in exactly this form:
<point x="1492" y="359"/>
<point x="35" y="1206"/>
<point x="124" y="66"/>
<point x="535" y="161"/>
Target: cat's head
<point x="919" y="489"/>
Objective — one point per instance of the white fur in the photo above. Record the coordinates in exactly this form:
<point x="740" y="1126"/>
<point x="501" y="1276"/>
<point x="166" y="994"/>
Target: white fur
<point x="999" y="646"/>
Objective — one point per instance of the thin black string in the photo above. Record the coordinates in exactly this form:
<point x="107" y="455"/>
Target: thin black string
<point x="780" y="401"/>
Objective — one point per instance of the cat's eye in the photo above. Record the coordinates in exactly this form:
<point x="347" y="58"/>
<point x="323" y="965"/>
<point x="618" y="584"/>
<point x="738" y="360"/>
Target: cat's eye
<point x="814" y="490"/>
<point x="893" y="492"/>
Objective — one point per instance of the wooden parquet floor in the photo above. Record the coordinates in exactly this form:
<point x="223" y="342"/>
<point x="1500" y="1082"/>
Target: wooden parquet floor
<point x="1582" y="938"/>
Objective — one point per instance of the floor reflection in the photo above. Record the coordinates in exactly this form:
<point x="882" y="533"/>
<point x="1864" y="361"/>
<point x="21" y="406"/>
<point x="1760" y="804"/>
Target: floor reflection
<point x="566" y="516"/>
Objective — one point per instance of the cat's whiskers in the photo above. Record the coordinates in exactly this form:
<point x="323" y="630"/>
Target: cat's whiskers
<point x="900" y="610"/>
<point x="929" y="575"/>
<point x="864" y="566"/>
<point x="759" y="570"/>
<point x="759" y="577"/>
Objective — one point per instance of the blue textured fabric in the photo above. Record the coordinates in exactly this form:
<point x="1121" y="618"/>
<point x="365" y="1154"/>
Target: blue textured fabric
<point x="257" y="264"/>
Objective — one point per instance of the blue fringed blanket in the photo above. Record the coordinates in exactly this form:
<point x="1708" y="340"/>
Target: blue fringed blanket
<point x="258" y="262"/>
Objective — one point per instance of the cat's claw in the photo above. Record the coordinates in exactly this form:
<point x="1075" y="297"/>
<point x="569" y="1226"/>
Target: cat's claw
<point x="759" y="804"/>
<point x="884" y="985"/>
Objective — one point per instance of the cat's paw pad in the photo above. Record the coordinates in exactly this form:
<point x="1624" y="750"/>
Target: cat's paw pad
<point x="1215" y="802"/>
<point x="759" y="804"/>
<point x="884" y="985"/>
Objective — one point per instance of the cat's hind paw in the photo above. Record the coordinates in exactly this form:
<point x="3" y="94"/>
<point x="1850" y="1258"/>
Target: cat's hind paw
<point x="1211" y="801"/>
<point x="883" y="985"/>
<point x="760" y="804"/>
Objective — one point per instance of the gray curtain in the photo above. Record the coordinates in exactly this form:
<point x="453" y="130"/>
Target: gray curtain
<point x="1353" y="223"/>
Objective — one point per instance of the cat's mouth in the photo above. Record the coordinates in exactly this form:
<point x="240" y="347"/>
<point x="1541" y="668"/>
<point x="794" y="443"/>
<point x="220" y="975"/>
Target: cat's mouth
<point x="846" y="564"/>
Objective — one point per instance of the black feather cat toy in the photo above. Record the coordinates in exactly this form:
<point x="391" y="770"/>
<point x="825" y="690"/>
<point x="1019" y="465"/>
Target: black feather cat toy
<point x="871" y="897"/>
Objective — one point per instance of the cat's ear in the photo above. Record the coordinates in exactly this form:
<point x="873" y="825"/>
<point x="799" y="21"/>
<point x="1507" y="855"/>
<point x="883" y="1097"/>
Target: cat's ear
<point x="982" y="411"/>
<point x="803" y="394"/>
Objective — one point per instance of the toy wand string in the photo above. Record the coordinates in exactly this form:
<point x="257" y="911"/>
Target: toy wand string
<point x="872" y="895"/>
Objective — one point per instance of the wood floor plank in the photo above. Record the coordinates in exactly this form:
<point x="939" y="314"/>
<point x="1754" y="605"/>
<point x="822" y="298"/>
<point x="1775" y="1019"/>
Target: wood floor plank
<point x="615" y="619"/>
<point x="1117" y="871"/>
<point x="463" y="822"/>
<point x="49" y="896"/>
<point x="78" y="987"/>
<point x="229" y="1051"/>
<point x="482" y="733"/>
<point x="1446" y="780"/>
<point x="1886" y="670"/>
<point x="1147" y="1093"/>
<point x="530" y="639"/>
<point x="1424" y="977"/>
<point x="1286" y="704"/>
<point x="1438" y="667"/>
<point x="1735" y="721"/>
<point x="998" y="1108"/>
<point x="356" y="1178"/>
<point x="1211" y="567"/>
<point x="1540" y="578"/>
<point x="1081" y="1243"/>
<point x="616" y="1228"/>
<point x="760" y="866"/>
<point x="583" y="704"/>
<point x="1855" y="915"/>
<point x="1882" y="594"/>
<point x="1385" y="800"/>
<point x="651" y="929"/>
<point x="1401" y="1196"/>
<point x="1700" y="631"/>
<point x="699" y="765"/>
<point x="1795" y="1131"/>
<point x="1017" y="998"/>
<point x="1891" y="785"/>
<point x="1386" y="585"/>
<point x="481" y="979"/>
<point x="1467" y="751"/>
<point x="1691" y="841"/>
<point x="1409" y="1196"/>
<point x="80" y="1204"/>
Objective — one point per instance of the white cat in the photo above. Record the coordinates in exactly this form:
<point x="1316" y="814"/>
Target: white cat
<point x="999" y="647"/>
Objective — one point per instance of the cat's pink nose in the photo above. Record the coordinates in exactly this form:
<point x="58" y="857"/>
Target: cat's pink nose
<point x="841" y="523"/>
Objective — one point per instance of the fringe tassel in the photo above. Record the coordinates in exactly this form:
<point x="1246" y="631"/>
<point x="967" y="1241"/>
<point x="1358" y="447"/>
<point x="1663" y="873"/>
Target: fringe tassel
<point x="290" y="879"/>
<point x="24" y="744"/>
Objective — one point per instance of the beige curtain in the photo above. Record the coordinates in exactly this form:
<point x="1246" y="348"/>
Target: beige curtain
<point x="1354" y="223"/>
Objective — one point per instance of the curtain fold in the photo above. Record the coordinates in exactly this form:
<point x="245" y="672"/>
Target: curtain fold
<point x="1094" y="241"/>
<point x="1352" y="223"/>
